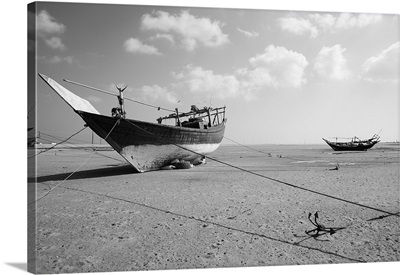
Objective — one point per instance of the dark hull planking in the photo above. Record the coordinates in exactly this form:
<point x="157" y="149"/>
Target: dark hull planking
<point x="146" y="146"/>
<point x="350" y="146"/>
<point x="150" y="146"/>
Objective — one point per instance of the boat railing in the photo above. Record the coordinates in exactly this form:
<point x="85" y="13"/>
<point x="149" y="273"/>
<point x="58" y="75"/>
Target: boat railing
<point x="197" y="118"/>
<point x="356" y="140"/>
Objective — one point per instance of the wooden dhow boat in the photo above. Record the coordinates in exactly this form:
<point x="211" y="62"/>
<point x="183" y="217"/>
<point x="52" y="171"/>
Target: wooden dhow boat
<point x="355" y="144"/>
<point x="151" y="146"/>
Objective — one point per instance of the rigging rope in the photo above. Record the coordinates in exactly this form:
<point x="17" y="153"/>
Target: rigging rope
<point x="272" y="179"/>
<point x="127" y="98"/>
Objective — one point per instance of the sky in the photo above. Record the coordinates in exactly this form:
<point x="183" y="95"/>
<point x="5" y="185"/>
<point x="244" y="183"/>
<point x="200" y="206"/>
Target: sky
<point x="286" y="77"/>
<point x="14" y="48"/>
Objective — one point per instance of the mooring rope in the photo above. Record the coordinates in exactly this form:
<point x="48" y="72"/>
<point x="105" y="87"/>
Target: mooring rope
<point x="269" y="178"/>
<point x="227" y="227"/>
<point x="214" y="223"/>
<point x="262" y="152"/>
<point x="58" y="138"/>
<point x="45" y="150"/>
<point x="70" y="175"/>
<point x="76" y="146"/>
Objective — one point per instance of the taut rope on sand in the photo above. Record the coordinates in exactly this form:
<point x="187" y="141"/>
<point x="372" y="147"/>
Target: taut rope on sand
<point x="45" y="150"/>
<point x="272" y="179"/>
<point x="206" y="221"/>
<point x="74" y="146"/>
<point x="233" y="166"/>
<point x="70" y="175"/>
<point x="262" y="152"/>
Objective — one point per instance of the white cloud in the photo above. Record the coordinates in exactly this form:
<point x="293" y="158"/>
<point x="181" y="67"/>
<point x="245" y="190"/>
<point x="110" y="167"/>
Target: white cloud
<point x="58" y="59"/>
<point x="156" y="92"/>
<point x="348" y="20"/>
<point x="146" y="92"/>
<point x="248" y="34"/>
<point x="192" y="30"/>
<point x="284" y="67"/>
<point x="275" y="67"/>
<point x="297" y="26"/>
<point x="315" y="23"/>
<point x="384" y="66"/>
<point x="199" y="80"/>
<point x="46" y="24"/>
<point x="134" y="45"/>
<point x="49" y="30"/>
<point x="55" y="43"/>
<point x="165" y="36"/>
<point x="324" y="21"/>
<point x="330" y="63"/>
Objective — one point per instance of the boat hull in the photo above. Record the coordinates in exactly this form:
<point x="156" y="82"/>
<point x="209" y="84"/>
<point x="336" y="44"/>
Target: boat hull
<point x="151" y="146"/>
<point x="348" y="146"/>
<point x="146" y="146"/>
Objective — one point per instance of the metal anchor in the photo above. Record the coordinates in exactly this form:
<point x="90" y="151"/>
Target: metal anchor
<point x="320" y="227"/>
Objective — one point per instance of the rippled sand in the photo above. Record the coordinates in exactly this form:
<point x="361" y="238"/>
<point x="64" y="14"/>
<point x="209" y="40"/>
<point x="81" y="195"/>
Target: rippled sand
<point x="105" y="217"/>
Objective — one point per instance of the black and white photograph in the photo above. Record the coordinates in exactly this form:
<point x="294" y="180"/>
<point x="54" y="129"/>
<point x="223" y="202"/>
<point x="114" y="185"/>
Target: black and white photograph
<point x="208" y="138"/>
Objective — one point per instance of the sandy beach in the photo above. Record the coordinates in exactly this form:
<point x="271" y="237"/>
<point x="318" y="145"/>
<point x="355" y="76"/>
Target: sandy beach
<point x="252" y="212"/>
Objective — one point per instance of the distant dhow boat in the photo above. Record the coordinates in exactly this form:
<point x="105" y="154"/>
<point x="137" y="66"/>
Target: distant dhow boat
<point x="355" y="144"/>
<point x="150" y="146"/>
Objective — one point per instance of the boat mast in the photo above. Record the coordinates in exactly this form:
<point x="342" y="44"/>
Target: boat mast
<point x="209" y="117"/>
<point x="121" y="100"/>
<point x="177" y="117"/>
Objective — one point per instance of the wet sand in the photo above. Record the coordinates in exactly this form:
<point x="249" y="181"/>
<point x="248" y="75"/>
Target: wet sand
<point x="106" y="217"/>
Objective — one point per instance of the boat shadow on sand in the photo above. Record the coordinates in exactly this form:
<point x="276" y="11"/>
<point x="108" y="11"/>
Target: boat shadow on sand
<point x="87" y="174"/>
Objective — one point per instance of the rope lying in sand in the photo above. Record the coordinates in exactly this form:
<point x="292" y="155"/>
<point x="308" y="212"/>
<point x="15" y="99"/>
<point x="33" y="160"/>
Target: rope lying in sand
<point x="70" y="175"/>
<point x="272" y="179"/>
<point x="296" y="244"/>
<point x="58" y="143"/>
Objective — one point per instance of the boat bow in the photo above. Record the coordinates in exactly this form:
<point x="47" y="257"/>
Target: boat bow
<point x="150" y="146"/>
